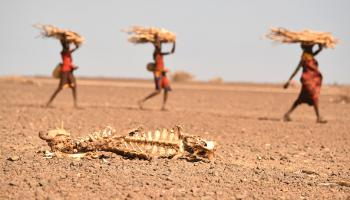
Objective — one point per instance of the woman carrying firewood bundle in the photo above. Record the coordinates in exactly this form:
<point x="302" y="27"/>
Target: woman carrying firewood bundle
<point x="159" y="72"/>
<point x="66" y="71"/>
<point x="311" y="80"/>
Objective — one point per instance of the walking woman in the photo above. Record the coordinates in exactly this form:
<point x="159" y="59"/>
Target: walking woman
<point x="66" y="72"/>
<point x="311" y="81"/>
<point x="160" y="79"/>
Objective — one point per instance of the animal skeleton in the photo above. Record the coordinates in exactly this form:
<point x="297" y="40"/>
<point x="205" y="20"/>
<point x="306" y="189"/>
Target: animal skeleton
<point x="137" y="144"/>
<point x="306" y="36"/>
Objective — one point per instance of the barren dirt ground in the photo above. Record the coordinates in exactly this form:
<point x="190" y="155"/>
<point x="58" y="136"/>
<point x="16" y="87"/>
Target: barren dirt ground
<point x="259" y="156"/>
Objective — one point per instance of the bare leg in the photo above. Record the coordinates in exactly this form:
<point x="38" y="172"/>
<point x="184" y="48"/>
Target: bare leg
<point x="287" y="115"/>
<point x="165" y="98"/>
<point x="153" y="94"/>
<point x="73" y="86"/>
<point x="319" y="117"/>
<point x="74" y="91"/>
<point x="54" y="95"/>
<point x="63" y="81"/>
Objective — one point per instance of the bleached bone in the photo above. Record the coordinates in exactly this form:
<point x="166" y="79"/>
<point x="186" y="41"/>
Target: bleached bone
<point x="137" y="144"/>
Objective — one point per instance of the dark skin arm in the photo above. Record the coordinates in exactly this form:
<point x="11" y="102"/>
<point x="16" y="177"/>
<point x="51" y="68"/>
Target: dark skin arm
<point x="285" y="86"/>
<point x="66" y="45"/>
<point x="172" y="50"/>
<point x="320" y="47"/>
<point x="76" y="47"/>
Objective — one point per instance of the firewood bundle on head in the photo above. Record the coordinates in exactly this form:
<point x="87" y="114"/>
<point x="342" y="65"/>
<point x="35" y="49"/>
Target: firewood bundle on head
<point x="306" y="36"/>
<point x="140" y="35"/>
<point x="54" y="32"/>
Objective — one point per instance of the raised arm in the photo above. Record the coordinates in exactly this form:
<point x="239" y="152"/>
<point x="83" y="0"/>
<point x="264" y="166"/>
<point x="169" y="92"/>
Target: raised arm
<point x="285" y="86"/>
<point x="75" y="48"/>
<point x="320" y="47"/>
<point x="172" y="50"/>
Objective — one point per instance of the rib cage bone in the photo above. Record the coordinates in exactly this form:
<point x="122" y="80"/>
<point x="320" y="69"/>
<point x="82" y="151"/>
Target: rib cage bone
<point x="165" y="143"/>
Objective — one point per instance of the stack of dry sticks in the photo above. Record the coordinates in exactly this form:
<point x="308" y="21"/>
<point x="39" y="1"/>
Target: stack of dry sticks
<point x="140" y="35"/>
<point x="306" y="36"/>
<point x="54" y="32"/>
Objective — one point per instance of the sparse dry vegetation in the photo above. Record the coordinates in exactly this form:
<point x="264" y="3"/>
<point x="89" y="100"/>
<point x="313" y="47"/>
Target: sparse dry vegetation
<point x="216" y="80"/>
<point x="21" y="80"/>
<point x="181" y="76"/>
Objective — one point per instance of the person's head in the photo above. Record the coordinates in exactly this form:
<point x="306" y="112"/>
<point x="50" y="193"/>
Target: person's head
<point x="157" y="42"/>
<point x="307" y="47"/>
<point x="65" y="45"/>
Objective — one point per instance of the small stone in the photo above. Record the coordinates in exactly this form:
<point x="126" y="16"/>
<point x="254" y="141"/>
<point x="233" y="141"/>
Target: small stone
<point x="309" y="172"/>
<point x="95" y="156"/>
<point x="12" y="183"/>
<point x="344" y="183"/>
<point x="13" y="158"/>
<point x="42" y="182"/>
<point x="240" y="196"/>
<point x="194" y="191"/>
<point x="169" y="179"/>
<point x="284" y="158"/>
<point x="76" y="163"/>
<point x="48" y="154"/>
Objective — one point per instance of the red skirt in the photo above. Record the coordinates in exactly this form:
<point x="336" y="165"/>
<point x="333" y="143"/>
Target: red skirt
<point x="162" y="82"/>
<point x="311" y="88"/>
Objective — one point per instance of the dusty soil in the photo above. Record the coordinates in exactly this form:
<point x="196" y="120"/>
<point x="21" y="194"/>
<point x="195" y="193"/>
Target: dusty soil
<point x="259" y="156"/>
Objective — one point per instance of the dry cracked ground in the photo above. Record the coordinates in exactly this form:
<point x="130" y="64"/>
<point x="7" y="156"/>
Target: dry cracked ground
<point x="258" y="157"/>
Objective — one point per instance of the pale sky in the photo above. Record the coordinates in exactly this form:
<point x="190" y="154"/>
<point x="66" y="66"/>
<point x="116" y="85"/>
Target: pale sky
<point x="216" y="38"/>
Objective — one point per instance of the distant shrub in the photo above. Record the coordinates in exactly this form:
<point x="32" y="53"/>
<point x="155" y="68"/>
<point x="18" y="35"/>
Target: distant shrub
<point x="181" y="76"/>
<point x="21" y="80"/>
<point x="216" y="80"/>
